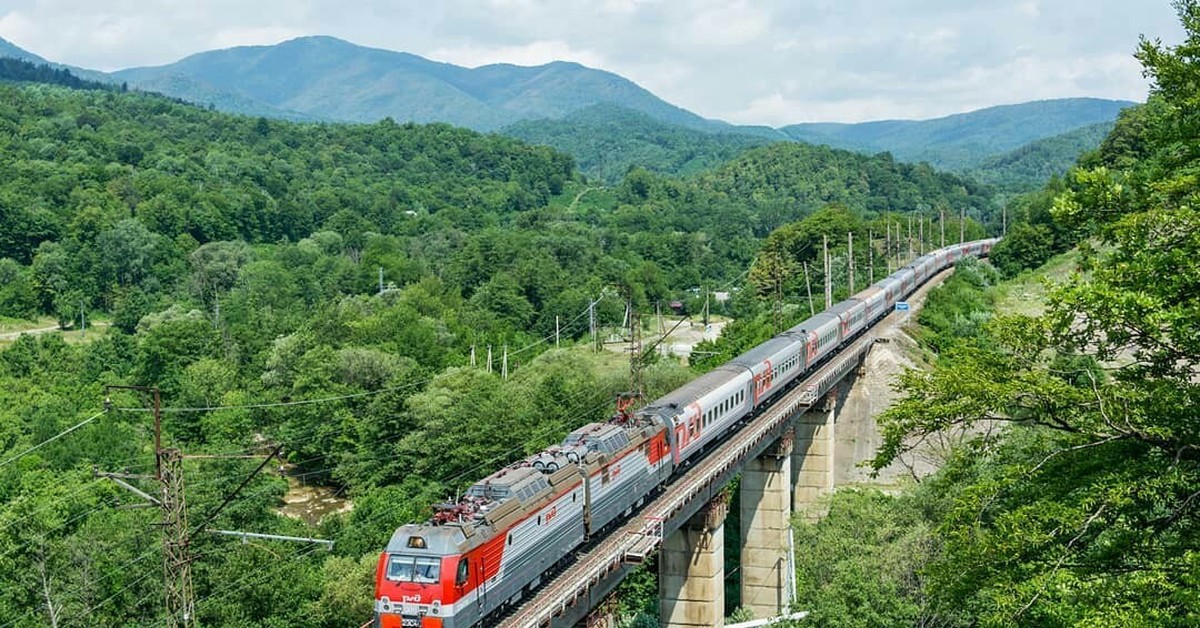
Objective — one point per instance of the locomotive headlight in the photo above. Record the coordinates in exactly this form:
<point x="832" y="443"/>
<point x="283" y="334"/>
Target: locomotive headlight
<point x="387" y="604"/>
<point x="435" y="608"/>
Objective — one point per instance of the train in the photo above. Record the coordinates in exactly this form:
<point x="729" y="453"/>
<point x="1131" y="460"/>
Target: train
<point x="481" y="554"/>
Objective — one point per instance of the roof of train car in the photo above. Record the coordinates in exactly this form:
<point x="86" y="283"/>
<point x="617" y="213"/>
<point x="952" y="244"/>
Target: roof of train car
<point x="813" y="322"/>
<point x="689" y="392"/>
<point x="842" y="306"/>
<point x="763" y="351"/>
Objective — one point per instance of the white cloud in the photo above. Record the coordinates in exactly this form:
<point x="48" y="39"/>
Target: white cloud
<point x="19" y="29"/>
<point x="752" y="61"/>
<point x="727" y="24"/>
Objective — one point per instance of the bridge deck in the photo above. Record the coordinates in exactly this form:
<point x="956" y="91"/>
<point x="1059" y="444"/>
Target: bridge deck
<point x="571" y="594"/>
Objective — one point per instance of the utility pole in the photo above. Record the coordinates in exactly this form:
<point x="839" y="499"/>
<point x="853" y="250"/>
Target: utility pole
<point x="82" y="319"/>
<point x="705" y="320"/>
<point x="556" y="331"/>
<point x="592" y="323"/>
<point x="850" y="258"/>
<point x="962" y="225"/>
<point x="472" y="356"/>
<point x="808" y="286"/>
<point x="635" y="350"/>
<point x="871" y="254"/>
<point x="1004" y="220"/>
<point x="177" y="561"/>
<point x="778" y="305"/>
<point x="504" y="364"/>
<point x="381" y="280"/>
<point x="921" y="234"/>
<point x="910" y="240"/>
<point x="942" y="225"/>
<point x="828" y="282"/>
<point x="489" y="361"/>
<point x="168" y="471"/>
<point x="887" y="244"/>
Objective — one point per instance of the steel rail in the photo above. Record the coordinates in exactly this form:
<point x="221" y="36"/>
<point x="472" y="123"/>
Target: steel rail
<point x="681" y="498"/>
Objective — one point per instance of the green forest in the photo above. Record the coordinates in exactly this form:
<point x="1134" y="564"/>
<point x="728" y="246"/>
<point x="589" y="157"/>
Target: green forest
<point x="321" y="289"/>
<point x="1071" y="499"/>
<point x="398" y="309"/>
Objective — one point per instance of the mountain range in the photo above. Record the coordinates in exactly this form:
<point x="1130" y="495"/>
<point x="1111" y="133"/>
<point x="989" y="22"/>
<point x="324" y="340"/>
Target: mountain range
<point x="563" y="104"/>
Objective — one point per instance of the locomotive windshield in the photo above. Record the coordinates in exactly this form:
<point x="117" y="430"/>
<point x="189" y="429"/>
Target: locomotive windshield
<point x="417" y="569"/>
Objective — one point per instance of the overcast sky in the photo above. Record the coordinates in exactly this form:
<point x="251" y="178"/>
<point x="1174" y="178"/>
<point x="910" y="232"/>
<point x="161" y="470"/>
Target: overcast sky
<point x="770" y="62"/>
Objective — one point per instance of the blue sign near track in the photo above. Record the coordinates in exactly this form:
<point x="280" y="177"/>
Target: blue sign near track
<point x="901" y="306"/>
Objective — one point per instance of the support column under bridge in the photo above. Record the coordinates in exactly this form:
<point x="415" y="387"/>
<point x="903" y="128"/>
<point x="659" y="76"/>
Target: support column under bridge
<point x="812" y="457"/>
<point x="766" y="510"/>
<point x="691" y="571"/>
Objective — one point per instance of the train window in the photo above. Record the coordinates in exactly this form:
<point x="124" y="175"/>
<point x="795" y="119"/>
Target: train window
<point x="463" y="570"/>
<point x="413" y="569"/>
<point x="510" y="538"/>
<point x="539" y="520"/>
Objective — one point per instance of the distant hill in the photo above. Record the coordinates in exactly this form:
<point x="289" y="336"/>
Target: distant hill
<point x="1027" y="168"/>
<point x="17" y="70"/>
<point x="11" y="50"/>
<point x="607" y="140"/>
<point x="963" y="141"/>
<point x="607" y="122"/>
<point x="325" y="77"/>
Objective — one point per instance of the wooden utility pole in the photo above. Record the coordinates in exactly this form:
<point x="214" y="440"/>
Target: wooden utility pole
<point x="828" y="279"/>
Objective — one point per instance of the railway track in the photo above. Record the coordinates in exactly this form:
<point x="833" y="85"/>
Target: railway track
<point x="593" y="574"/>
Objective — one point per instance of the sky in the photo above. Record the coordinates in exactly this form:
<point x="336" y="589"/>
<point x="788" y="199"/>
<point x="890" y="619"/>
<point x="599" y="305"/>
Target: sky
<point x="772" y="62"/>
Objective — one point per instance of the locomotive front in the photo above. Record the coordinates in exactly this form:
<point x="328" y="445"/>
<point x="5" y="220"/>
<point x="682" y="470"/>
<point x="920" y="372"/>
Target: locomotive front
<point x="422" y="578"/>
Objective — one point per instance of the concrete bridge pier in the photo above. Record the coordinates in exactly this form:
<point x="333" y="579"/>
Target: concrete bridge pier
<point x="691" y="571"/>
<point x="812" y="457"/>
<point x="766" y="511"/>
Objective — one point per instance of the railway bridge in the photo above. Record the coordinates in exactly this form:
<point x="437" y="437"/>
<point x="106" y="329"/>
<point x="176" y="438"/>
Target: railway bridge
<point x="785" y="455"/>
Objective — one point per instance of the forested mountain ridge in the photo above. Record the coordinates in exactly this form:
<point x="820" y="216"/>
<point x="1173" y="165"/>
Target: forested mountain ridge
<point x="8" y="49"/>
<point x="607" y="141"/>
<point x="565" y="105"/>
<point x="1027" y="168"/>
<point x="328" y="78"/>
<point x="962" y="141"/>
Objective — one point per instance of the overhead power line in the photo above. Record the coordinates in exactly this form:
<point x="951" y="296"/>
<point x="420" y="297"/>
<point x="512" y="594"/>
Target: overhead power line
<point x="53" y="438"/>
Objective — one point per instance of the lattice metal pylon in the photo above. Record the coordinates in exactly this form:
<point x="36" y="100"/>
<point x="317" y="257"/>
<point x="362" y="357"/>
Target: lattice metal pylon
<point x="177" y="560"/>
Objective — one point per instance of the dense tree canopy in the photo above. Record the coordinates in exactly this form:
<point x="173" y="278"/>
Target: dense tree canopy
<point x="1084" y="511"/>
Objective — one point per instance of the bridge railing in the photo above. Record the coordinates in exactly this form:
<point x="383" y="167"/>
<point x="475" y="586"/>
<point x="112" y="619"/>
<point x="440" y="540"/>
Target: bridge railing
<point x="644" y="534"/>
